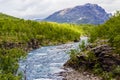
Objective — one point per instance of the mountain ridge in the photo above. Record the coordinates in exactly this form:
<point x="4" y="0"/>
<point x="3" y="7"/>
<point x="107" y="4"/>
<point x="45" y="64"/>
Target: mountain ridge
<point x="82" y="14"/>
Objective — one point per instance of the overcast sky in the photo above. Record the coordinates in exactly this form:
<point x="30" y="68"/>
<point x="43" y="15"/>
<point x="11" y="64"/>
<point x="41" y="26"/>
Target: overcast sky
<point x="29" y="9"/>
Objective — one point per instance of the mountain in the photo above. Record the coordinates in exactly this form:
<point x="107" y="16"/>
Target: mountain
<point x="83" y="14"/>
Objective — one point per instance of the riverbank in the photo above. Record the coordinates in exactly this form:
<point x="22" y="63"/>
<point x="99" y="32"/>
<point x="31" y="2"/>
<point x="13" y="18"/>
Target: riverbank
<point x="71" y="74"/>
<point x="97" y="58"/>
<point x="45" y="62"/>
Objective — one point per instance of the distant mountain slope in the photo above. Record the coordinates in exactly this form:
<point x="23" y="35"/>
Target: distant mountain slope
<point x="83" y="14"/>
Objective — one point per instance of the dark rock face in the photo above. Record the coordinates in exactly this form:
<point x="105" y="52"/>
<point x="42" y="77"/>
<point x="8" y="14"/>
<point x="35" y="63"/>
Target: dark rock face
<point x="83" y="14"/>
<point x="33" y="43"/>
<point x="30" y="45"/>
<point x="103" y="55"/>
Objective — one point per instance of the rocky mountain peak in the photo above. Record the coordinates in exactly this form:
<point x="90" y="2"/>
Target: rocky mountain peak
<point x="82" y="14"/>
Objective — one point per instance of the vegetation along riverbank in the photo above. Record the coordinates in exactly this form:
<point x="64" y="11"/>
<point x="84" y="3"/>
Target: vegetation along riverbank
<point x="102" y="56"/>
<point x="18" y="36"/>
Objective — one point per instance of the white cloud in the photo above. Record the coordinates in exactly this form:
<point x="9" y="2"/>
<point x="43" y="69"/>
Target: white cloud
<point x="42" y="8"/>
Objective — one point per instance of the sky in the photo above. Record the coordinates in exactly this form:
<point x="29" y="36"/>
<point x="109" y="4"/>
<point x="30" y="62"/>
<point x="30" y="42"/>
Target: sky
<point x="39" y="9"/>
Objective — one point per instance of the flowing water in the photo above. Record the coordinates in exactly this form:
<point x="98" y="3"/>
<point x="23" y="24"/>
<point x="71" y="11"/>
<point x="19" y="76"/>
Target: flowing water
<point x="45" y="62"/>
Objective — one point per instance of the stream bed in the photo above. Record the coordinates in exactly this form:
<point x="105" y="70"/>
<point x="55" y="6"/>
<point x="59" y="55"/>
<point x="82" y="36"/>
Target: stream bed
<point x="44" y="63"/>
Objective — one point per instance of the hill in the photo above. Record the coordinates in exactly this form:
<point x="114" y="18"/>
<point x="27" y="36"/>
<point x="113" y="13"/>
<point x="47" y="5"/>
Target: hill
<point x="5" y="16"/>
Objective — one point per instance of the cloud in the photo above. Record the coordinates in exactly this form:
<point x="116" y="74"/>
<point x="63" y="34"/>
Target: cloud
<point x="29" y="9"/>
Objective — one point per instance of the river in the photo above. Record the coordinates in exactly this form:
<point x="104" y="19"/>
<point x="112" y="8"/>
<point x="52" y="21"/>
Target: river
<point x="44" y="63"/>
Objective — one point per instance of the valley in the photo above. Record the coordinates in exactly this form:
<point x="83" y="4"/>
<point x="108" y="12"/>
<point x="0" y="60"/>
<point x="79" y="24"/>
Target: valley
<point x="48" y="49"/>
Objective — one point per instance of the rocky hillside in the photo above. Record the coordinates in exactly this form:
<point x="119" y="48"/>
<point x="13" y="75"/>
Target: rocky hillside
<point x="83" y="14"/>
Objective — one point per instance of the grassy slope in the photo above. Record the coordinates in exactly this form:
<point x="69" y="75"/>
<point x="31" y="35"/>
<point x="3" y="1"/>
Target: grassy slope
<point x="15" y="31"/>
<point x="21" y="30"/>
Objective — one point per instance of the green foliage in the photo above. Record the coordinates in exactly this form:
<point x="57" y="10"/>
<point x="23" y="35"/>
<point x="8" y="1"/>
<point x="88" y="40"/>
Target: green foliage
<point x="116" y="70"/>
<point x="97" y="69"/>
<point x="87" y="28"/>
<point x="111" y="75"/>
<point x="19" y="30"/>
<point x="74" y="61"/>
<point x="9" y="63"/>
<point x="109" y="30"/>
<point x="9" y="76"/>
<point x="4" y="16"/>
<point x="107" y="76"/>
<point x="82" y="46"/>
<point x="73" y="53"/>
<point x="15" y="30"/>
<point x="107" y="33"/>
<point x="90" y="56"/>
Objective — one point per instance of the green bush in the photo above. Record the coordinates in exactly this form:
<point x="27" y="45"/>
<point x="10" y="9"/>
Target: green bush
<point x="110" y="30"/>
<point x="82" y="46"/>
